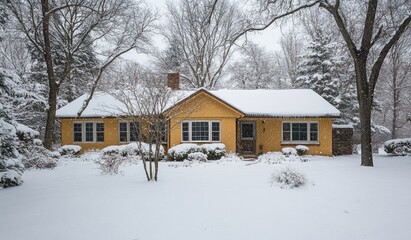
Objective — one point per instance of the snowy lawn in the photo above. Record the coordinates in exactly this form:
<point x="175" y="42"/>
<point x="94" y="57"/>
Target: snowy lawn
<point x="212" y="201"/>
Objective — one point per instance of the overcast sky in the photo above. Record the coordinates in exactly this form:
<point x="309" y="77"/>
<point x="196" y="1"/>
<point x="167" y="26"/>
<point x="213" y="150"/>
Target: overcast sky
<point x="268" y="38"/>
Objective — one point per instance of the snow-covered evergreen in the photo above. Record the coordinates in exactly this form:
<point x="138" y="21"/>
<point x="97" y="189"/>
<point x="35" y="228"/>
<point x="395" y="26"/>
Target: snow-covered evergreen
<point x="327" y="71"/>
<point x="11" y="167"/>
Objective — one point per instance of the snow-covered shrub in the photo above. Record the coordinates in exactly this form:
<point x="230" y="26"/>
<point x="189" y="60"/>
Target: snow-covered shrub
<point x="288" y="178"/>
<point x="70" y="150"/>
<point x="133" y="149"/>
<point x="231" y="157"/>
<point x="180" y="152"/>
<point x="197" y="156"/>
<point x="301" y="150"/>
<point x="272" y="158"/>
<point x="289" y="151"/>
<point x="32" y="150"/>
<point x="10" y="178"/>
<point x="40" y="158"/>
<point x="399" y="147"/>
<point x="214" y="151"/>
<point x="109" y="164"/>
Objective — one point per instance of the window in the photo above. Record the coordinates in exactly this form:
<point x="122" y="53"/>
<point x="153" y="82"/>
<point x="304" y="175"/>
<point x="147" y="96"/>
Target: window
<point x="78" y="132"/>
<point x="215" y="131"/>
<point x="100" y="132"/>
<point x="185" y="131"/>
<point x="88" y="132"/>
<point x="123" y="132"/>
<point x="200" y="131"/>
<point x="129" y="131"/>
<point x="304" y="132"/>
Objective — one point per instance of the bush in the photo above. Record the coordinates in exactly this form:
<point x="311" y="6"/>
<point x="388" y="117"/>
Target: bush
<point x="10" y="178"/>
<point x="109" y="164"/>
<point x="214" y="151"/>
<point x="288" y="178"/>
<point x="301" y="150"/>
<point x="40" y="158"/>
<point x="133" y="149"/>
<point x="398" y="147"/>
<point x="197" y="156"/>
<point x="289" y="151"/>
<point x="180" y="152"/>
<point x="69" y="150"/>
<point x="271" y="158"/>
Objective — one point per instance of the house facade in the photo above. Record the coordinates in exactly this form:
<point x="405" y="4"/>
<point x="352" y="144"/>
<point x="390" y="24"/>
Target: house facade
<point x="248" y="122"/>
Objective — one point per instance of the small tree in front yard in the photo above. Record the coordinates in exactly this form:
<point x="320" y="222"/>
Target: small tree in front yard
<point x="145" y="100"/>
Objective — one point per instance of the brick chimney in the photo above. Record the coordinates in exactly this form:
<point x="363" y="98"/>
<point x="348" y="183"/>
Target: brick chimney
<point x="173" y="81"/>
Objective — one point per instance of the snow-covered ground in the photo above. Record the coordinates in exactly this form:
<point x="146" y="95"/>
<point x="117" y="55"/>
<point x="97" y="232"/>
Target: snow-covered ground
<point x="230" y="200"/>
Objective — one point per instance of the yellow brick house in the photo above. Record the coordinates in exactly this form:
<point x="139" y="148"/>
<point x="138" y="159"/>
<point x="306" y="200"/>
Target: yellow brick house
<point x="248" y="122"/>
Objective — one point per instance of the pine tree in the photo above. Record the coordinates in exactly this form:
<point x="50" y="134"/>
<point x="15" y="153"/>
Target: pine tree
<point x="319" y="69"/>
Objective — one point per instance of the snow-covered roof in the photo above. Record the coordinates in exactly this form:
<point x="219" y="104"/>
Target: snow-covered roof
<point x="101" y="105"/>
<point x="278" y="103"/>
<point x="259" y="102"/>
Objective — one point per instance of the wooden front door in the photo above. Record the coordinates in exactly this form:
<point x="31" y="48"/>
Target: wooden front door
<point x="247" y="138"/>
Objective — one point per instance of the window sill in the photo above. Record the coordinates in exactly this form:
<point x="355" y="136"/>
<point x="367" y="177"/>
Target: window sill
<point x="200" y="141"/>
<point x="300" y="143"/>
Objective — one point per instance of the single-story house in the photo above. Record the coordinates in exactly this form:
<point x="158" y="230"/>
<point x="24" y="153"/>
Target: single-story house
<point x="248" y="122"/>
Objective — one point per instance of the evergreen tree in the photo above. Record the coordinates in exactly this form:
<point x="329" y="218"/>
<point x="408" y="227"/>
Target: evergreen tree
<point x="319" y="69"/>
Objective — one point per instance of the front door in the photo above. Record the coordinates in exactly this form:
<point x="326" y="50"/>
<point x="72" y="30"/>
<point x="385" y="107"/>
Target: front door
<point x="247" y="138"/>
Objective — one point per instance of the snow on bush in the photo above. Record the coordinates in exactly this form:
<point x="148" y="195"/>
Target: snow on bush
<point x="110" y="164"/>
<point x="271" y="158"/>
<point x="289" y="151"/>
<point x="301" y="150"/>
<point x="40" y="158"/>
<point x="288" y="178"/>
<point x="197" y="156"/>
<point x="32" y="150"/>
<point x="180" y="152"/>
<point x="11" y="178"/>
<point x="399" y="147"/>
<point x="231" y="157"/>
<point x="70" y="150"/>
<point x="133" y="149"/>
<point x="214" y="151"/>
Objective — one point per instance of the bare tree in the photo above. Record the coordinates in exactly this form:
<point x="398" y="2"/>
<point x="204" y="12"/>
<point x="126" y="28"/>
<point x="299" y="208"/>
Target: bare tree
<point x="112" y="27"/>
<point x="382" y="26"/>
<point x="396" y="90"/>
<point x="145" y="102"/>
<point x="366" y="27"/>
<point x="205" y="32"/>
<point x="255" y="69"/>
<point x="291" y="48"/>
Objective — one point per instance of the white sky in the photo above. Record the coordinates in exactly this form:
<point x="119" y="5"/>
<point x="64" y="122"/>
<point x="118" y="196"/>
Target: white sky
<point x="268" y="38"/>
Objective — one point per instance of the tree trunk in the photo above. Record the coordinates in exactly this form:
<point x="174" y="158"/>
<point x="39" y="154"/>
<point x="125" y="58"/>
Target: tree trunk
<point x="396" y="99"/>
<point x="365" y="102"/>
<point x="53" y="86"/>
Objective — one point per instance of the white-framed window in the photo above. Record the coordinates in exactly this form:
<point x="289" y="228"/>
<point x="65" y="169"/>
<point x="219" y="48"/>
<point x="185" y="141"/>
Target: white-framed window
<point x="200" y="131"/>
<point x="128" y="131"/>
<point x="88" y="131"/>
<point x="300" y="132"/>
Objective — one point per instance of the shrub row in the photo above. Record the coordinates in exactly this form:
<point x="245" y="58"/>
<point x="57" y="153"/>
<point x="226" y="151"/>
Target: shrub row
<point x="213" y="151"/>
